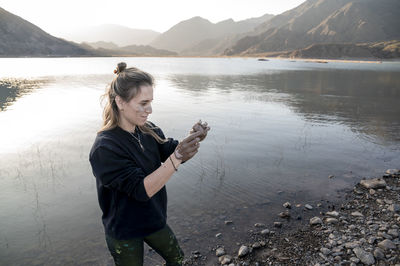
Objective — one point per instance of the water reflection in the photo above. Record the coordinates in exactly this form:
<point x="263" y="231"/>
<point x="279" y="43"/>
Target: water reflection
<point x="12" y="89"/>
<point x="367" y="101"/>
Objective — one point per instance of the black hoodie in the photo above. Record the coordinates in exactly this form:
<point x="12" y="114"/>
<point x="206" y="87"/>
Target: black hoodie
<point x="120" y="165"/>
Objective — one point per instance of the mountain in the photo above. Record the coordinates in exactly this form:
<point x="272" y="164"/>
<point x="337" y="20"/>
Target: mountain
<point x="134" y="50"/>
<point x="378" y="50"/>
<point x="117" y="34"/>
<point x="362" y="51"/>
<point x="111" y="49"/>
<point x="323" y="21"/>
<point x="19" y="37"/>
<point x="101" y="44"/>
<point x="197" y="34"/>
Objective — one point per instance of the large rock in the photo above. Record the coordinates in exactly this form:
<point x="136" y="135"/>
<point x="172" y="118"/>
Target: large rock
<point x="364" y="256"/>
<point x="373" y="183"/>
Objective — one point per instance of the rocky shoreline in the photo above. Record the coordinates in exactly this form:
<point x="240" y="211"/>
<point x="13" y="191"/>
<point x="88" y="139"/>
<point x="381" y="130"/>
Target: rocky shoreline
<point x="361" y="229"/>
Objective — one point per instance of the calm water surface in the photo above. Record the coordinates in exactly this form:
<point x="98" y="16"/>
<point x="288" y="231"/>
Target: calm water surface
<point x="279" y="129"/>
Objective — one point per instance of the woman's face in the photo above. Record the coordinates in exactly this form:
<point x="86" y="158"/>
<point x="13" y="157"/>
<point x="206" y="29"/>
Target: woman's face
<point x="135" y="112"/>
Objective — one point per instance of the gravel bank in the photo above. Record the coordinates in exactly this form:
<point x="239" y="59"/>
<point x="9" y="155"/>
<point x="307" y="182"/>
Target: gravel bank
<point x="361" y="229"/>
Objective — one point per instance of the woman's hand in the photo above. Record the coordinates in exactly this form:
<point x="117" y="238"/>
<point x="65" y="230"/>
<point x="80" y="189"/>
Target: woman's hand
<point x="188" y="147"/>
<point x="200" y="127"/>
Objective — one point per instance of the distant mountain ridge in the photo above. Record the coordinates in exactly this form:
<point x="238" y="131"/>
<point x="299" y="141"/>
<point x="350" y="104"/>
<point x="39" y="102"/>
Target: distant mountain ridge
<point x="342" y="51"/>
<point x="323" y="21"/>
<point x="111" y="49"/>
<point x="381" y="50"/>
<point x="20" y="37"/>
<point x="199" y="32"/>
<point x="120" y="35"/>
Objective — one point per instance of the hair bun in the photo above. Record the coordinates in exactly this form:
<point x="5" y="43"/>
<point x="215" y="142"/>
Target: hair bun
<point x="120" y="67"/>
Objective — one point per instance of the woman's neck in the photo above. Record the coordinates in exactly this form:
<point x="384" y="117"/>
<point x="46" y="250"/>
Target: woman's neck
<point x="127" y="126"/>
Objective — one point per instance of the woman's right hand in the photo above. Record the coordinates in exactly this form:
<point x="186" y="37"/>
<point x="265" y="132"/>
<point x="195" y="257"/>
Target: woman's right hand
<point x="188" y="147"/>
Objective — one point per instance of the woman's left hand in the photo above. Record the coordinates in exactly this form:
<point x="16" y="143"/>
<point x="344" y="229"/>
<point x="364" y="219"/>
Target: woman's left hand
<point x="202" y="127"/>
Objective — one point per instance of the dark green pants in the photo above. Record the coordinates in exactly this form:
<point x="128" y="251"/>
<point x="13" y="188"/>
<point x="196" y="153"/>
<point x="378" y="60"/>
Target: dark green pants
<point x="130" y="252"/>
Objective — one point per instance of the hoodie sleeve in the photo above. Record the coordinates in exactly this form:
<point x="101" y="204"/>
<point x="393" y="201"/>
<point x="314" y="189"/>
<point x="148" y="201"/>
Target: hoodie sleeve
<point x="167" y="148"/>
<point x="116" y="172"/>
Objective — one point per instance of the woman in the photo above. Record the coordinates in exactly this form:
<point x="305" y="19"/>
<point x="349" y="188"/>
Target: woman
<point x="132" y="161"/>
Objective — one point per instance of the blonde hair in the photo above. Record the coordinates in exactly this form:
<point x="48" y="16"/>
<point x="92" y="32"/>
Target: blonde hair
<point x="126" y="85"/>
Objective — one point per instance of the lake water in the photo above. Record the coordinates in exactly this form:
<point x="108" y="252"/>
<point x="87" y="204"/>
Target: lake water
<point x="279" y="129"/>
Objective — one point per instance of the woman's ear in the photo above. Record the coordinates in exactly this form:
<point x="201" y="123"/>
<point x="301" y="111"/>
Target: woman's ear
<point x="119" y="102"/>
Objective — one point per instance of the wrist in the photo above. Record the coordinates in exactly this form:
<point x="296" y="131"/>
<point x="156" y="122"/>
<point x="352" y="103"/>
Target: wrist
<point x="177" y="155"/>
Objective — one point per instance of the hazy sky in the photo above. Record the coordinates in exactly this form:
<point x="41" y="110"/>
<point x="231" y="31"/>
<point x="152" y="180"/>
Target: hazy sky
<point x="62" y="16"/>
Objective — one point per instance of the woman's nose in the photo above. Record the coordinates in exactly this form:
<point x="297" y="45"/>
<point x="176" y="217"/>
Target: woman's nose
<point x="148" y="109"/>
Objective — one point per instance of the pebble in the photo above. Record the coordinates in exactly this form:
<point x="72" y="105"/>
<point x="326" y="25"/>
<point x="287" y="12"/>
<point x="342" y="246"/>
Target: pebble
<point x="373" y="183"/>
<point x="354" y="259"/>
<point x="284" y="215"/>
<point x="331" y="220"/>
<point x="243" y="251"/>
<point x="371" y="240"/>
<point x="265" y="232"/>
<point x="228" y="222"/>
<point x="220" y="252"/>
<point x="378" y="254"/>
<point x="315" y="220"/>
<point x="325" y="251"/>
<point x="287" y="205"/>
<point x="364" y="256"/>
<point x="388" y="201"/>
<point x="256" y="245"/>
<point x="278" y="224"/>
<point x="225" y="259"/>
<point x="352" y="245"/>
<point x="394" y="208"/>
<point x="333" y="214"/>
<point x="393" y="232"/>
<point x="259" y="225"/>
<point x="357" y="214"/>
<point x="386" y="244"/>
<point x="392" y="171"/>
<point x="218" y="235"/>
<point x="384" y="235"/>
<point x="308" y="207"/>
